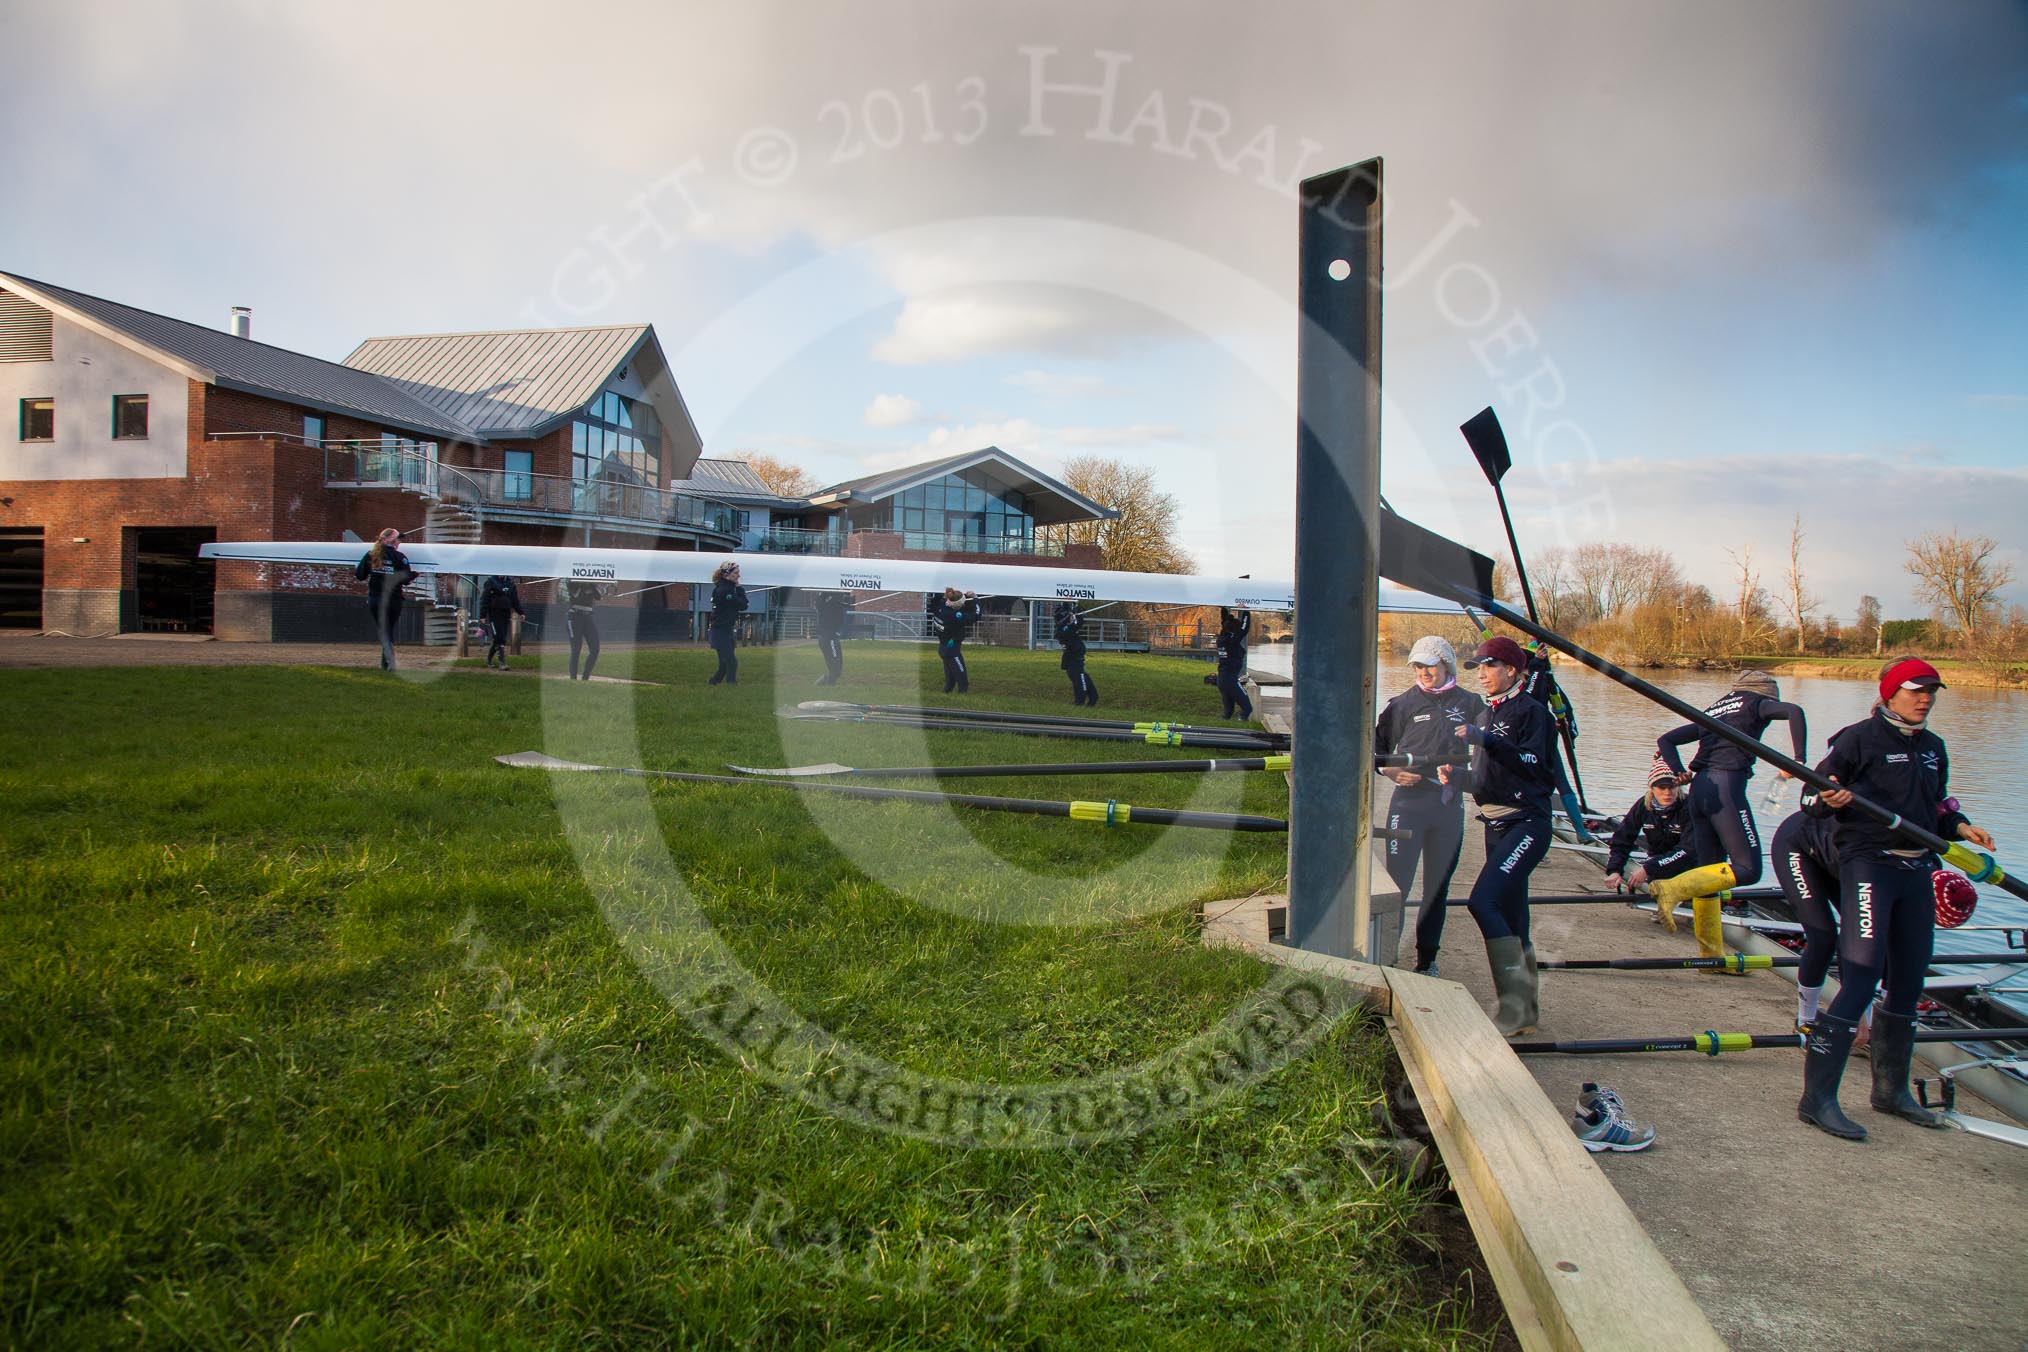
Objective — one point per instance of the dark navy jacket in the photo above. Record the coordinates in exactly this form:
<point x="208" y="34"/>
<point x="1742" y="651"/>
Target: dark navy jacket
<point x="1746" y="710"/>
<point x="1905" y="773"/>
<point x="952" y="623"/>
<point x="1659" y="833"/>
<point x="1515" y="737"/>
<point x="831" y="609"/>
<point x="1070" y="633"/>
<point x="1231" y="645"/>
<point x="728" y="603"/>
<point x="1423" y="725"/>
<point x="385" y="583"/>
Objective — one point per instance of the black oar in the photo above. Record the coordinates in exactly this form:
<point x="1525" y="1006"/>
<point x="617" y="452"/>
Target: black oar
<point x="1226" y="740"/>
<point x="1617" y="898"/>
<point x="1489" y="447"/>
<point x="1433" y="564"/>
<point x="1063" y="720"/>
<point x="1136" y="767"/>
<point x="1749" y="962"/>
<point x="1110" y="813"/>
<point x="1712" y="1043"/>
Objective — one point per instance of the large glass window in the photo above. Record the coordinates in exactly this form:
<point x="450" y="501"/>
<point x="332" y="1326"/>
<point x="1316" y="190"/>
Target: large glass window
<point x="620" y="430"/>
<point x="981" y="512"/>
<point x="313" y="428"/>
<point x="517" y="483"/>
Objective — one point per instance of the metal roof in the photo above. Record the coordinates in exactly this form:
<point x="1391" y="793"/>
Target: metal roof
<point x="874" y="487"/>
<point x="218" y="358"/>
<point x="512" y="383"/>
<point x="733" y="480"/>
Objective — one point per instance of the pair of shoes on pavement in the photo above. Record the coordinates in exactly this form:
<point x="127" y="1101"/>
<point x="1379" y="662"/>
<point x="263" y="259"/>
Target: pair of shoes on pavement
<point x="1602" y="1123"/>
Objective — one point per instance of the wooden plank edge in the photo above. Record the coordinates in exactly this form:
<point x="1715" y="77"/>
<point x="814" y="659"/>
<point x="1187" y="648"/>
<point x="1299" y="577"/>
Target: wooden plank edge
<point x="1600" y="1282"/>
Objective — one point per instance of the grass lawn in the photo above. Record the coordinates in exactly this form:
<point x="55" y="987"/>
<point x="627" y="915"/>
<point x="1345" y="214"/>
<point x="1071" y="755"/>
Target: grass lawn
<point x="322" y="1029"/>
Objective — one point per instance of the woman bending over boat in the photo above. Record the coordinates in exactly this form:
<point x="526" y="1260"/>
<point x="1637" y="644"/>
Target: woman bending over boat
<point x="1886" y="897"/>
<point x="1510" y="779"/>
<point x="1726" y="841"/>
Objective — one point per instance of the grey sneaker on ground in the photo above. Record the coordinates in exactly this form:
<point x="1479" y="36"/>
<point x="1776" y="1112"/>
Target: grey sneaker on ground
<point x="1599" y="1130"/>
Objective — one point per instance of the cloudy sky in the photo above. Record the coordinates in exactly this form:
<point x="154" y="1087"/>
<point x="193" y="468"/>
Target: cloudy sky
<point x="1716" y="264"/>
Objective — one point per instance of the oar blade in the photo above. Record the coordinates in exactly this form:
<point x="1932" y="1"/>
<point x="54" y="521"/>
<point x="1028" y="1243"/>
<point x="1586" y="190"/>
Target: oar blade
<point x="536" y="760"/>
<point x="793" y="771"/>
<point x="1488" y="443"/>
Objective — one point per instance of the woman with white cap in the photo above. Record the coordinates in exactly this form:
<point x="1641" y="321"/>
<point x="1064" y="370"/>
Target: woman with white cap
<point x="1422" y="722"/>
<point x="1886" y="892"/>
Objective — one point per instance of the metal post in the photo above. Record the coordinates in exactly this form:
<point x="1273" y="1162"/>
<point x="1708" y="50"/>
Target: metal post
<point x="1337" y="559"/>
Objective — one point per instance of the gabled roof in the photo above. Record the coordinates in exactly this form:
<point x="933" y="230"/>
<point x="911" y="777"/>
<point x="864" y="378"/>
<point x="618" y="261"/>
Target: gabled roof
<point x="507" y="384"/>
<point x="218" y="358"/>
<point x="733" y="481"/>
<point x="1075" y="506"/>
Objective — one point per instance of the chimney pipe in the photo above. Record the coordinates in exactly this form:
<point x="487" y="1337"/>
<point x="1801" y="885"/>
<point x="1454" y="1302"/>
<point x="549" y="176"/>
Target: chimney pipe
<point x="242" y="321"/>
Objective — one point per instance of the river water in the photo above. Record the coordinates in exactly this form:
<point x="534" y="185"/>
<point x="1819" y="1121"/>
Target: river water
<point x="1985" y="729"/>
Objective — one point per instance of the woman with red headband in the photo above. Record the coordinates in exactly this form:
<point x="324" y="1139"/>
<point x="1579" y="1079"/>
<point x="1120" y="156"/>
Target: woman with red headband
<point x="1887" y="902"/>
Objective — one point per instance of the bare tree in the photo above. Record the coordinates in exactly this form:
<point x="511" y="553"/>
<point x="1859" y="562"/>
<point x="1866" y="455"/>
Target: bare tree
<point x="1868" y="621"/>
<point x="790" y="481"/>
<point x="1751" y="607"/>
<point x="1958" y="575"/>
<point x="1796" y="598"/>
<point x="1142" y="539"/>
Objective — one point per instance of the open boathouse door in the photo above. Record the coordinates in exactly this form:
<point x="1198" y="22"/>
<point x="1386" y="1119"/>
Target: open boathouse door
<point x="20" y="577"/>
<point x="173" y="587"/>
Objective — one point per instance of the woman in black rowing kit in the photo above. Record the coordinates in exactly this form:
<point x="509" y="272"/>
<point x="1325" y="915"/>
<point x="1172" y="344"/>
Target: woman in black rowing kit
<point x="1722" y="827"/>
<point x="1422" y="721"/>
<point x="1511" y="780"/>
<point x="1886" y="902"/>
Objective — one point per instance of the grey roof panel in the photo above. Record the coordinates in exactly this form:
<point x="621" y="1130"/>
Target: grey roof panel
<point x="244" y="363"/>
<point x="873" y="487"/>
<point x="507" y="383"/>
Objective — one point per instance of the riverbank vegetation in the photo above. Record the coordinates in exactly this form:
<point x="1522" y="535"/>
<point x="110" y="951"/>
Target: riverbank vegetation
<point x="1634" y="606"/>
<point x="324" y="1030"/>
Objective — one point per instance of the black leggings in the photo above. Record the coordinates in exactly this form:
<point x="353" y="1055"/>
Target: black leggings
<point x="1235" y="697"/>
<point x="1722" y="824"/>
<point x="1514" y="846"/>
<point x="728" y="661"/>
<point x="1439" y="836"/>
<point x="1887" y="928"/>
<point x="1812" y="890"/>
<point x="834" y="656"/>
<point x="584" y="633"/>
<point x="955" y="676"/>
<point x="498" y="647"/>
<point x="1082" y="690"/>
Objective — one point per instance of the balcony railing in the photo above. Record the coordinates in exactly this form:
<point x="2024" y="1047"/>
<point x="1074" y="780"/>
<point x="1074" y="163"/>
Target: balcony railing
<point x="553" y="494"/>
<point x="936" y="543"/>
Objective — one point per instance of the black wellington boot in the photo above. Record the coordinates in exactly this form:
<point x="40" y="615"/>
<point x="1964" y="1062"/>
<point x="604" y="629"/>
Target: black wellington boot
<point x="1824" y="1057"/>
<point x="1893" y="1050"/>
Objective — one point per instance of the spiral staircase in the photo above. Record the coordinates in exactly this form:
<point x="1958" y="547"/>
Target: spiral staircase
<point x="446" y="523"/>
